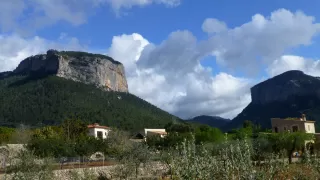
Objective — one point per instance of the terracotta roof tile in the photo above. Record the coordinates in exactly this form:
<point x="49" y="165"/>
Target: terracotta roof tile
<point x="96" y="125"/>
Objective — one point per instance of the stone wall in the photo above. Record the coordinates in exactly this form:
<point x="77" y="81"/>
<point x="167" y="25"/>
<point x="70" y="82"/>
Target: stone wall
<point x="154" y="170"/>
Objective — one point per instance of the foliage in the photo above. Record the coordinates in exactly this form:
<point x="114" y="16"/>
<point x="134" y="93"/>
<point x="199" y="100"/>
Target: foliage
<point x="6" y="134"/>
<point x="70" y="139"/>
<point x="205" y="134"/>
<point x="179" y="127"/>
<point x="21" y="135"/>
<point x="179" y="132"/>
<point x="290" y="142"/>
<point x="74" y="128"/>
<point x="39" y="101"/>
<point x="27" y="167"/>
<point x="233" y="160"/>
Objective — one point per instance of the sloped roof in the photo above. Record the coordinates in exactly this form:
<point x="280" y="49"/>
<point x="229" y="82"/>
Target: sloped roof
<point x="96" y="125"/>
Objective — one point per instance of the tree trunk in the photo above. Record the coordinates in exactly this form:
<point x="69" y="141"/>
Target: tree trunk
<point x="137" y="171"/>
<point x="290" y="157"/>
<point x="292" y="150"/>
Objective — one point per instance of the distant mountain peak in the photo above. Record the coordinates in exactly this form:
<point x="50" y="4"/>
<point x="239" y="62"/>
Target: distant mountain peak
<point x="286" y="95"/>
<point x="213" y="121"/>
<point x="282" y="86"/>
<point x="88" y="68"/>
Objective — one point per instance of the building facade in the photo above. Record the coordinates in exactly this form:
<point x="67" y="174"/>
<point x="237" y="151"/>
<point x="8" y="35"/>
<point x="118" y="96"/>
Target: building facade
<point x="293" y="125"/>
<point x="98" y="131"/>
<point x="142" y="136"/>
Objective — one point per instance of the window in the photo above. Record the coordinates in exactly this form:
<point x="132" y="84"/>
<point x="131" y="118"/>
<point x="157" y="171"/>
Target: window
<point x="276" y="129"/>
<point x="295" y="128"/>
<point x="99" y="134"/>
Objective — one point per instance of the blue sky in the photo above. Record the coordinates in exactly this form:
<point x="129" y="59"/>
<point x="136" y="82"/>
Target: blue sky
<point x="171" y="60"/>
<point x="155" y="22"/>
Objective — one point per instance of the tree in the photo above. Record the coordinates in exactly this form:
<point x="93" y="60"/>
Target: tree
<point x="179" y="127"/>
<point x="27" y="167"/>
<point x="74" y="128"/>
<point x="206" y="133"/>
<point x="290" y="142"/>
<point x="140" y="155"/>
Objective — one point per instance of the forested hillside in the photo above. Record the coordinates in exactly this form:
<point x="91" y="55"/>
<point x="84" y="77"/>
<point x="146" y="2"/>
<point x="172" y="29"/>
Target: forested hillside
<point x="49" y="100"/>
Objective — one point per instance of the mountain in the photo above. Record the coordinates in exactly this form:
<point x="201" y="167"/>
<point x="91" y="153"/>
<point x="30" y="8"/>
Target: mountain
<point x="286" y="95"/>
<point x="99" y="70"/>
<point x="35" y="94"/>
<point x="213" y="121"/>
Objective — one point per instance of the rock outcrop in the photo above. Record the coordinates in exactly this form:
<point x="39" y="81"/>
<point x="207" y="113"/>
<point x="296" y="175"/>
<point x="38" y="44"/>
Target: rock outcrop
<point x="281" y="87"/>
<point x="289" y="94"/>
<point x="96" y="69"/>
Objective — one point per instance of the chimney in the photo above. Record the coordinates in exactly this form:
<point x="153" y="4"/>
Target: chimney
<point x="304" y="117"/>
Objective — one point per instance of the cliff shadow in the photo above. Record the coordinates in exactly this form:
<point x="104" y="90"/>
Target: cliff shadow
<point x="4" y="75"/>
<point x="29" y="77"/>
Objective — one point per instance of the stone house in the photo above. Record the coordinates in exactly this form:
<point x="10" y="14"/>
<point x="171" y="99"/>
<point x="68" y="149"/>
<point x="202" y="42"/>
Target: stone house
<point x="293" y="125"/>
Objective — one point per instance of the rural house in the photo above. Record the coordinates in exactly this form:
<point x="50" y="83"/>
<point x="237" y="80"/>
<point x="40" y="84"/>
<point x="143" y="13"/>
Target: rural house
<point x="98" y="131"/>
<point x="149" y="132"/>
<point x="293" y="125"/>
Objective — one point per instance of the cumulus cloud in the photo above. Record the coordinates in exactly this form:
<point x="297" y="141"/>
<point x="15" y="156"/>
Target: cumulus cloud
<point x="15" y="48"/>
<point x="170" y="76"/>
<point x="290" y="62"/>
<point x="27" y="16"/>
<point x="212" y="25"/>
<point x="262" y="40"/>
<point x="21" y="15"/>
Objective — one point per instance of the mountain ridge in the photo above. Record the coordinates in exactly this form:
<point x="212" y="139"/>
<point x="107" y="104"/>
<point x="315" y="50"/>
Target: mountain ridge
<point x="213" y="121"/>
<point x="39" y="98"/>
<point x="289" y="94"/>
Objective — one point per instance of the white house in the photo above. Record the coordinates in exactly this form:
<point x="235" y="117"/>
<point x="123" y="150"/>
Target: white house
<point x="98" y="131"/>
<point x="161" y="132"/>
<point x="142" y="135"/>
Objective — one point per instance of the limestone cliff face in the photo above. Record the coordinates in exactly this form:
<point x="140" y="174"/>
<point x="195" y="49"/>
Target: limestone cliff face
<point x="279" y="88"/>
<point x="96" y="69"/>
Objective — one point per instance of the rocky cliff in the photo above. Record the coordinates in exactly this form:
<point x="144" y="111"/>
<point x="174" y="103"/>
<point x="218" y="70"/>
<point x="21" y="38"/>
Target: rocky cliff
<point x="88" y="68"/>
<point x="289" y="94"/>
<point x="281" y="87"/>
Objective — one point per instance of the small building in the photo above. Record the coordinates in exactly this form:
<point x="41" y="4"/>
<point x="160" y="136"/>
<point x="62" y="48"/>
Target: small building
<point x="151" y="132"/>
<point x="296" y="124"/>
<point x="293" y="125"/>
<point x="142" y="136"/>
<point x="98" y="131"/>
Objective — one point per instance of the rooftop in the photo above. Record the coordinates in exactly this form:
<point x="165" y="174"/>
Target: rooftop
<point x="96" y="125"/>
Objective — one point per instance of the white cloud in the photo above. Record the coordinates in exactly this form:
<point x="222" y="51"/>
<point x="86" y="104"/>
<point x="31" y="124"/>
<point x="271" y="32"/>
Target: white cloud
<point x="14" y="48"/>
<point x="170" y="76"/>
<point x="28" y="16"/>
<point x="21" y="16"/>
<point x="212" y="25"/>
<point x="289" y="62"/>
<point x="117" y="5"/>
<point x="262" y="39"/>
